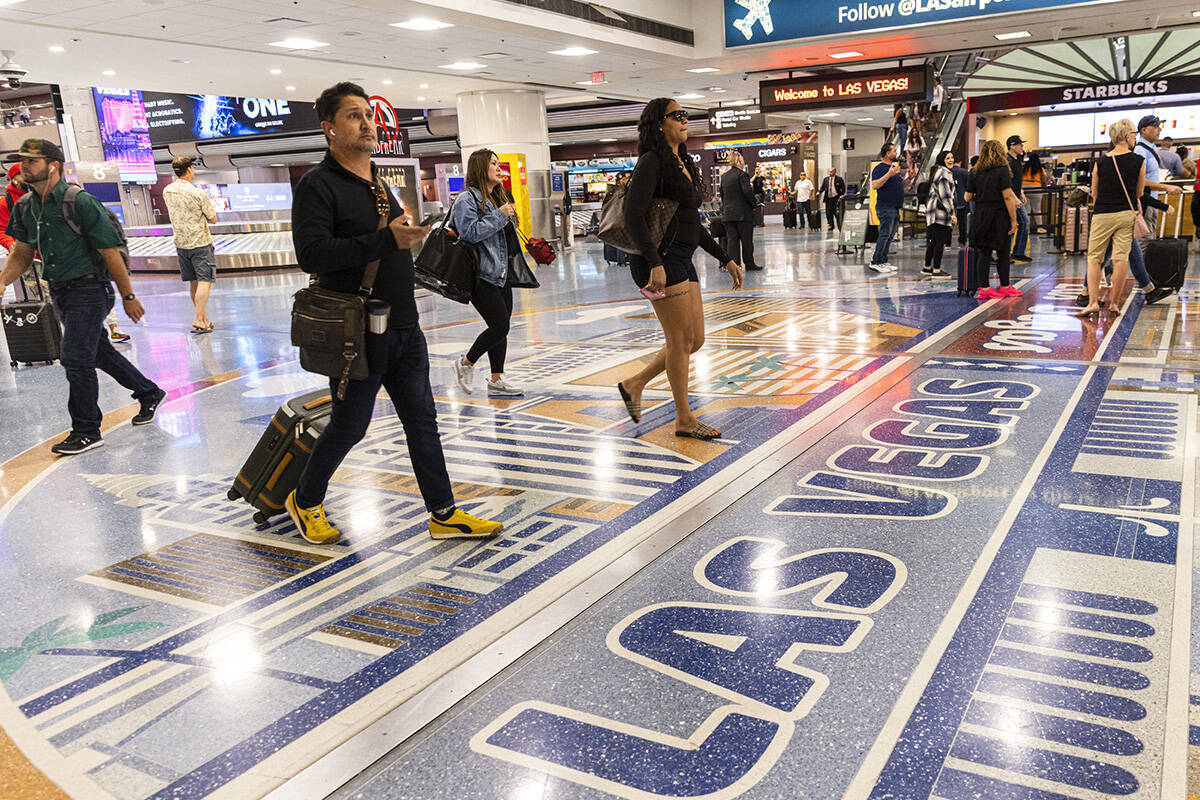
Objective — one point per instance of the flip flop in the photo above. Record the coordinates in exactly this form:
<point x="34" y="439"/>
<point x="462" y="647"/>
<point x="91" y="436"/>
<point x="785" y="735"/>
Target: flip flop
<point x="634" y="409"/>
<point x="702" y="432"/>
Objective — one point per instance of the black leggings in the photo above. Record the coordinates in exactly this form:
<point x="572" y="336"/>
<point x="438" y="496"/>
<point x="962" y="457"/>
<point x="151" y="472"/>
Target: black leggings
<point x="495" y="305"/>
<point x="983" y="262"/>
<point x="936" y="238"/>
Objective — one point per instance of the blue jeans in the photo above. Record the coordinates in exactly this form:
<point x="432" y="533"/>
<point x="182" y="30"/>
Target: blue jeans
<point x="1021" y="241"/>
<point x="889" y="220"/>
<point x="85" y="347"/>
<point x="407" y="383"/>
<point x="1137" y="264"/>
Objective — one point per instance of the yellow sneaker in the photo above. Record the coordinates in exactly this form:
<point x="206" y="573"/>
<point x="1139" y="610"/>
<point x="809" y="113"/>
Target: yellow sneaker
<point x="461" y="525"/>
<point x="311" y="522"/>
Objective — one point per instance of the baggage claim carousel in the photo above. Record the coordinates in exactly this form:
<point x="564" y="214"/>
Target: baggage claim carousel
<point x="258" y="245"/>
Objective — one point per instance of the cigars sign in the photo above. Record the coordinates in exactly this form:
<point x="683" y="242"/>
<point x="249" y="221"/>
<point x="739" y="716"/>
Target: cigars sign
<point x="903" y="84"/>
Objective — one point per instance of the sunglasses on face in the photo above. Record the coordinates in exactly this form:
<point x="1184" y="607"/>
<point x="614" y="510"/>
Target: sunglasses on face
<point x="381" y="200"/>
<point x="678" y="116"/>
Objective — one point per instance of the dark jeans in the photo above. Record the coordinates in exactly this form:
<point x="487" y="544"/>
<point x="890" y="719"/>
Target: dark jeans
<point x="983" y="262"/>
<point x="936" y="239"/>
<point x="495" y="305"/>
<point x="407" y="383"/>
<point x="831" y="213"/>
<point x="963" y="213"/>
<point x="803" y="207"/>
<point x="889" y="220"/>
<point x="1021" y="241"/>
<point x="86" y="348"/>
<point x="741" y="241"/>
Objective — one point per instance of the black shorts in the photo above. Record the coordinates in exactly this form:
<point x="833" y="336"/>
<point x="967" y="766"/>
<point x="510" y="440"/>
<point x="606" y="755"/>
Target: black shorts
<point x="677" y="261"/>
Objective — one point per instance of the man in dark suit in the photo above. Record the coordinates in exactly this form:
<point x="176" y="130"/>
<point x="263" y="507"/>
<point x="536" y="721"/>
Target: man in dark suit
<point x="833" y="188"/>
<point x="737" y="211"/>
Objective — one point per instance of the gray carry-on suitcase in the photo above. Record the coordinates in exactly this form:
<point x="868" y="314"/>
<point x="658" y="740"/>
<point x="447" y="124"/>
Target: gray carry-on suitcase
<point x="273" y="468"/>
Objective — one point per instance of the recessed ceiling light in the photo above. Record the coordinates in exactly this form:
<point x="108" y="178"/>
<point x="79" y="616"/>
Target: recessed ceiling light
<point x="688" y="96"/>
<point x="1004" y="37"/>
<point x="589" y="83"/>
<point x="1196" y="13"/>
<point x="573" y="51"/>
<point x="109" y="72"/>
<point x="606" y="140"/>
<point x="739" y="102"/>
<point x="420" y="99"/>
<point x="493" y="56"/>
<point x="54" y="48"/>
<point x="554" y="144"/>
<point x="277" y="165"/>
<point x="463" y="65"/>
<point x="298" y="44"/>
<point x="423" y="86"/>
<point x="863" y="119"/>
<point x="290" y="88"/>
<point x="1012" y="113"/>
<point x="715" y="89"/>
<point x="704" y="69"/>
<point x="276" y="71"/>
<point x="847" y="54"/>
<point x="828" y="114"/>
<point x="422" y="24"/>
<point x="387" y="82"/>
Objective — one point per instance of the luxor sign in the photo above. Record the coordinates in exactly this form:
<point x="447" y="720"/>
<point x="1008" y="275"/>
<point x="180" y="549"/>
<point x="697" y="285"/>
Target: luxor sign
<point x="903" y="84"/>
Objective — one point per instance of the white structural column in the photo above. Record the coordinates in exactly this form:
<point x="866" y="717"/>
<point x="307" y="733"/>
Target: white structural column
<point x="511" y="121"/>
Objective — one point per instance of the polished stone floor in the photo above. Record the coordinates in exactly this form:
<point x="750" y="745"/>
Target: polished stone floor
<point x="943" y="549"/>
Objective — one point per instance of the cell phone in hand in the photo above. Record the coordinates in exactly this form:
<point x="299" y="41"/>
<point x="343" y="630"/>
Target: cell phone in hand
<point x="650" y="294"/>
<point x="430" y="219"/>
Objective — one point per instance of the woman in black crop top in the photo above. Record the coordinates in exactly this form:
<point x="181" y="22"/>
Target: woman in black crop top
<point x="1118" y="179"/>
<point x="664" y="269"/>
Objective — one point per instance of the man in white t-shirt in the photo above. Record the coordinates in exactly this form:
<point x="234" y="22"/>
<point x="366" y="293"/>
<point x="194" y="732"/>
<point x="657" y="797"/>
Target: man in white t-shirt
<point x="804" y="192"/>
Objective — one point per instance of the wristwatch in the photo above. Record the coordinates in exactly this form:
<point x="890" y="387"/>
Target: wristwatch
<point x="129" y="296"/>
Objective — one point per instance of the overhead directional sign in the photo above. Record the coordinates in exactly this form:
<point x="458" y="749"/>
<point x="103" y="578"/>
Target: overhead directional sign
<point x="743" y="118"/>
<point x="750" y="22"/>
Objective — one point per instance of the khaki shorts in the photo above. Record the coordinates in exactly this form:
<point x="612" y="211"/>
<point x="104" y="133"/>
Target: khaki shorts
<point x="1117" y="226"/>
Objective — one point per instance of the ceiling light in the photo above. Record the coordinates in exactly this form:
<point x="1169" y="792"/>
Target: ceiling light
<point x="589" y="83"/>
<point x="847" y="54"/>
<point x="278" y="165"/>
<point x="290" y="88"/>
<point x="420" y="99"/>
<point x="1196" y="13"/>
<point x="55" y="48"/>
<point x="1012" y="113"/>
<point x="109" y="72"/>
<point x="704" y="69"/>
<point x="828" y="114"/>
<point x="1004" y="37"/>
<point x="276" y="71"/>
<point x="739" y="103"/>
<point x="423" y="86"/>
<point x="298" y="44"/>
<point x="494" y="56"/>
<point x="463" y="65"/>
<point x="387" y="82"/>
<point x="606" y="140"/>
<point x="863" y="119"/>
<point x="688" y="96"/>
<point x="573" y="51"/>
<point x="423" y="24"/>
<point x="554" y="144"/>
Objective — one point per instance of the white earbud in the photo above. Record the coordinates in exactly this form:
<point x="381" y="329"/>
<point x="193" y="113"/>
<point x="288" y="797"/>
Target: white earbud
<point x="333" y="133"/>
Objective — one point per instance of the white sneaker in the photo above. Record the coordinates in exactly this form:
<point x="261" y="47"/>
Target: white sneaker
<point x="464" y="374"/>
<point x="883" y="268"/>
<point x="501" y="389"/>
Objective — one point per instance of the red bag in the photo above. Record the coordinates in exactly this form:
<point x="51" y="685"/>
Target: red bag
<point x="541" y="250"/>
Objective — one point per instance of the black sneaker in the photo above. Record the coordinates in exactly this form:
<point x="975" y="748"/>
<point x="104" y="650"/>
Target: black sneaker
<point x="1082" y="300"/>
<point x="1157" y="293"/>
<point x="1022" y="259"/>
<point x="148" y="409"/>
<point x="77" y="443"/>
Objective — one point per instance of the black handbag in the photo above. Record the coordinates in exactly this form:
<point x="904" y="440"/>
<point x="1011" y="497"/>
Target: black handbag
<point x="447" y="265"/>
<point x="330" y="327"/>
<point x="520" y="276"/>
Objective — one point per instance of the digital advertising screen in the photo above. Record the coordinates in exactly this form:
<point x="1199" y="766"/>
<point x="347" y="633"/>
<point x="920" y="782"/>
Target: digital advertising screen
<point x="193" y="117"/>
<point x="125" y="133"/>
<point x="249" y="196"/>
<point x="1062" y="130"/>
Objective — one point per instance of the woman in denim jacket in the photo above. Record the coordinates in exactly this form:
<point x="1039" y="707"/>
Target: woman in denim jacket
<point x="484" y="216"/>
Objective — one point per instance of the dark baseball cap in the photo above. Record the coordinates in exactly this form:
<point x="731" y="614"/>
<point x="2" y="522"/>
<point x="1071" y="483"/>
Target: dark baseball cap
<point x="1014" y="139"/>
<point x="180" y="164"/>
<point x="38" y="148"/>
<point x="1148" y="120"/>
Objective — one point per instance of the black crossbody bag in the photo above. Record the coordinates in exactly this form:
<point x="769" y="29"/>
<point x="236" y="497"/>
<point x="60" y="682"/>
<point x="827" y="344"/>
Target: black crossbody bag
<point x="330" y="327"/>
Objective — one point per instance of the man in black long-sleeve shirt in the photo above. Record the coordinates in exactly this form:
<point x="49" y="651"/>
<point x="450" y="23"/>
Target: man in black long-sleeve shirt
<point x="335" y="229"/>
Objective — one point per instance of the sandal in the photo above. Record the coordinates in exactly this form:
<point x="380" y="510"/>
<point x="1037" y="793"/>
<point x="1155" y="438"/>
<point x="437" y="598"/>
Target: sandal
<point x="702" y="432"/>
<point x="634" y="409"/>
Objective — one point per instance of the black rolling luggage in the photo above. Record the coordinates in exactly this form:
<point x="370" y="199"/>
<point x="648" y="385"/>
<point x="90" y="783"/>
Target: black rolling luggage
<point x="814" y="220"/>
<point x="1166" y="261"/>
<point x="273" y="468"/>
<point x="968" y="278"/>
<point x="31" y="328"/>
<point x="614" y="255"/>
<point x="760" y="215"/>
<point x="790" y="216"/>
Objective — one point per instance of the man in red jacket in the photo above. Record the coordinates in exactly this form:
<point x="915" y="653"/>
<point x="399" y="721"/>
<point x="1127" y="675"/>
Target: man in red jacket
<point x="11" y="195"/>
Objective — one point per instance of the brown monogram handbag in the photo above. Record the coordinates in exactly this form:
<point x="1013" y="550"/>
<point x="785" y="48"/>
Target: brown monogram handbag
<point x="615" y="232"/>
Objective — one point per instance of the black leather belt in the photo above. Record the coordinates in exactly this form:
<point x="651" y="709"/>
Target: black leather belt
<point x="86" y="280"/>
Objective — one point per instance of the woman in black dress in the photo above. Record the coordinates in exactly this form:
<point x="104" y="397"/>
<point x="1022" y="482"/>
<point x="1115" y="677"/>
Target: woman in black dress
<point x="665" y="269"/>
<point x="994" y="220"/>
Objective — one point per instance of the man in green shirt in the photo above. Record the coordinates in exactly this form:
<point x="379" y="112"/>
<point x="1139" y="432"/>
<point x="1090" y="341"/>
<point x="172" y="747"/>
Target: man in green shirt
<point x="81" y="291"/>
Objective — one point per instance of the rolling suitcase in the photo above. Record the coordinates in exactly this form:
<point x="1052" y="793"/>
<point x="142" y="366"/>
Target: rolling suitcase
<point x="273" y="468"/>
<point x="31" y="327"/>
<point x="614" y="255"/>
<point x="814" y="220"/>
<point x="968" y="278"/>
<point x="760" y="211"/>
<point x="1166" y="258"/>
<point x="1076" y="228"/>
<point x="790" y="217"/>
